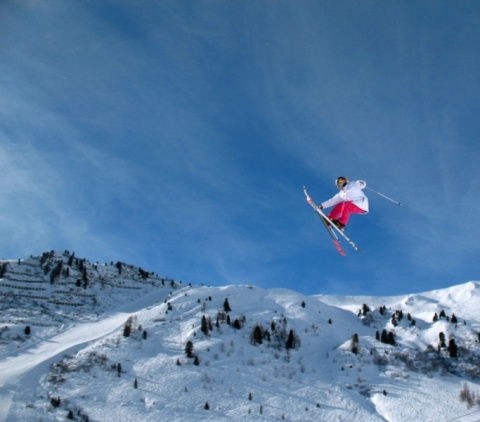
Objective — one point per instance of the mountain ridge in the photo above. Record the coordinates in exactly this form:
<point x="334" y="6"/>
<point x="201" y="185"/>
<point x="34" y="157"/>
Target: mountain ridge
<point x="271" y="354"/>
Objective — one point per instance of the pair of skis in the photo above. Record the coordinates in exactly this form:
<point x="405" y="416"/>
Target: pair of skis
<point x="332" y="229"/>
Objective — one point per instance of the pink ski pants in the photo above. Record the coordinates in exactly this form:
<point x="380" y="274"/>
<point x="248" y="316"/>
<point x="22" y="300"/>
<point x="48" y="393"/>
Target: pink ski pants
<point x="341" y="212"/>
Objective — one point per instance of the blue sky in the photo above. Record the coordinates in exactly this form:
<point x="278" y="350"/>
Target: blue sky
<point x="177" y="136"/>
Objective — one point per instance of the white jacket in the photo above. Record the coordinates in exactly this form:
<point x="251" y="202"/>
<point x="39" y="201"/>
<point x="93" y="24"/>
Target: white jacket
<point x="352" y="192"/>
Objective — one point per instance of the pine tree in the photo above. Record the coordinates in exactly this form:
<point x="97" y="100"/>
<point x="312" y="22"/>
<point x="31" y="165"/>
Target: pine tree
<point x="56" y="271"/>
<point x="467" y="395"/>
<point x="55" y="402"/>
<point x="441" y="338"/>
<point x="3" y="270"/>
<point x="189" y="349"/>
<point x="70" y="259"/>
<point x="394" y="320"/>
<point x="391" y="338"/>
<point x="388" y="338"/>
<point x="291" y="340"/>
<point x="203" y="325"/>
<point x="257" y="335"/>
<point x="354" y="344"/>
<point x="226" y="306"/>
<point x="452" y="348"/>
<point x="127" y="329"/>
<point x="85" y="277"/>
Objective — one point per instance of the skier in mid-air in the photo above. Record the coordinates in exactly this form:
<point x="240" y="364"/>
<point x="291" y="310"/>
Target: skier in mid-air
<point x="350" y="200"/>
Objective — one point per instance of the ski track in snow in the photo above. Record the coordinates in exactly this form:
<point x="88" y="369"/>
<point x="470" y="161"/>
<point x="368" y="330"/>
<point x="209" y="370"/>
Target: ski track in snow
<point x="22" y="369"/>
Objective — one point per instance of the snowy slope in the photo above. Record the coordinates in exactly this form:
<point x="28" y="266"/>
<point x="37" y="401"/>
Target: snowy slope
<point x="81" y="365"/>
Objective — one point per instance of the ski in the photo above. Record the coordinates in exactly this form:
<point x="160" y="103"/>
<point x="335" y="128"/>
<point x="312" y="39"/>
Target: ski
<point x="331" y="227"/>
<point x="332" y="234"/>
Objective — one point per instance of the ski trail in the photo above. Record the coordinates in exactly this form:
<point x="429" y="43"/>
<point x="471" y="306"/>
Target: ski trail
<point x="14" y="369"/>
<point x="20" y="372"/>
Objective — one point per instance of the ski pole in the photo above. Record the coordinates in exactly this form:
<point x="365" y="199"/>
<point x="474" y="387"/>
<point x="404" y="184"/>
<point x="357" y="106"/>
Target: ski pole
<point x="384" y="196"/>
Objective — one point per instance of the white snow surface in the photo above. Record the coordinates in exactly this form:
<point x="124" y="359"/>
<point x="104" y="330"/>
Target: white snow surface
<point x="78" y="354"/>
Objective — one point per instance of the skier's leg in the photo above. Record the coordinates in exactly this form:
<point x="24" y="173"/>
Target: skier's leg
<point x="344" y="212"/>
<point x="336" y="212"/>
<point x="336" y="215"/>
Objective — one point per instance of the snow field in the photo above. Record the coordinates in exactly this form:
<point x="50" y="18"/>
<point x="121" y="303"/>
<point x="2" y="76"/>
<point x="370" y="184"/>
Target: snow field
<point x="98" y="372"/>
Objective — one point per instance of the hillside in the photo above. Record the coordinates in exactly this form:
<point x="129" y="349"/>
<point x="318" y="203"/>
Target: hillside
<point x="113" y="342"/>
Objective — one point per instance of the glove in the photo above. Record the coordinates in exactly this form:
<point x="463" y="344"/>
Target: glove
<point x="320" y="206"/>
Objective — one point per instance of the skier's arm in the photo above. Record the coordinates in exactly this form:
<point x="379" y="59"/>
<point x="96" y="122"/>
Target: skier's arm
<point x="332" y="201"/>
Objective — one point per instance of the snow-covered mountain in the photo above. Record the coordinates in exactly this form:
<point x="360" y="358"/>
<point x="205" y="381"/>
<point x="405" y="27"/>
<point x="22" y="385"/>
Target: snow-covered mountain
<point x="113" y="342"/>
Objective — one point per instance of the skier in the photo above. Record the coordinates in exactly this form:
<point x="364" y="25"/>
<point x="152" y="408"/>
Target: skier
<point x="350" y="200"/>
